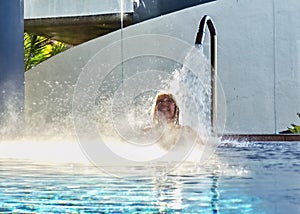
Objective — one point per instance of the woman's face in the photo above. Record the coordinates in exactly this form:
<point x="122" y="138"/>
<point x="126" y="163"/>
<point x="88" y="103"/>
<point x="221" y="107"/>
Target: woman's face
<point x="166" y="106"/>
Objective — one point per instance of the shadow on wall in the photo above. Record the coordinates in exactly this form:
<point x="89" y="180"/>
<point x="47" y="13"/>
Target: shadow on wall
<point x="147" y="9"/>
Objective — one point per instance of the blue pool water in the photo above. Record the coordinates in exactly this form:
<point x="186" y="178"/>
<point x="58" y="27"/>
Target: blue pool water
<point x="260" y="177"/>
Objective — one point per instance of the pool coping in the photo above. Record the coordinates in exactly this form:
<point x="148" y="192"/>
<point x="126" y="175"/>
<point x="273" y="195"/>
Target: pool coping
<point x="262" y="137"/>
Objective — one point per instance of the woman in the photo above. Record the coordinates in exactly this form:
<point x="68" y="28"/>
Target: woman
<point x="165" y="110"/>
<point x="166" y="124"/>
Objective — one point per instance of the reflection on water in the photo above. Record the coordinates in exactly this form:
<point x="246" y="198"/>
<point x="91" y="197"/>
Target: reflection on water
<point x="32" y="187"/>
<point x="246" y="178"/>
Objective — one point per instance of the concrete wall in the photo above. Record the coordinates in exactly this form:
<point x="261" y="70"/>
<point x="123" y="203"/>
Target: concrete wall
<point x="258" y="61"/>
<point x="287" y="62"/>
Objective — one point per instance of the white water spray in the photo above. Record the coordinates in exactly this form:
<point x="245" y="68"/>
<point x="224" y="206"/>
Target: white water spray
<point x="143" y="76"/>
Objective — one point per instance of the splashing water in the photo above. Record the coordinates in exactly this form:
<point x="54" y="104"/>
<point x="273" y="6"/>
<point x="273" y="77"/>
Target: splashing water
<point x="120" y="113"/>
<point x="135" y="109"/>
<point x="123" y="112"/>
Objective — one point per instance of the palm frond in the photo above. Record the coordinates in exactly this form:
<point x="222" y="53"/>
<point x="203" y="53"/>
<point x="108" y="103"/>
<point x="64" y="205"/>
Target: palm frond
<point x="38" y="49"/>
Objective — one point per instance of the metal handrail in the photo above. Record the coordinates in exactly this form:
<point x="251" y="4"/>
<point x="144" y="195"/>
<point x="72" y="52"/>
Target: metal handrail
<point x="207" y="22"/>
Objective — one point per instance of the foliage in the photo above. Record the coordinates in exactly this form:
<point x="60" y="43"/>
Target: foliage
<point x="38" y="48"/>
<point x="295" y="128"/>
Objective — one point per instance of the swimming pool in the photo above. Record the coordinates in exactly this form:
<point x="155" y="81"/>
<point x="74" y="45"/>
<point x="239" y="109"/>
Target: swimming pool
<point x="256" y="177"/>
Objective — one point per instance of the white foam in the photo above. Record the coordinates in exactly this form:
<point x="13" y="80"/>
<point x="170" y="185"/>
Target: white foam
<point x="50" y="152"/>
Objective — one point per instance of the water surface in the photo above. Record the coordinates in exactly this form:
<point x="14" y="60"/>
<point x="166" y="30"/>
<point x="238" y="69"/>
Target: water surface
<point x="261" y="177"/>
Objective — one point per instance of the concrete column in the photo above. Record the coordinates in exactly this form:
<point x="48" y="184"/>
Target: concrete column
<point x="11" y="59"/>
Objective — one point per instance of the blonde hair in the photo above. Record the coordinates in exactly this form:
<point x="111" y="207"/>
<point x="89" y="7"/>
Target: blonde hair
<point x="156" y="119"/>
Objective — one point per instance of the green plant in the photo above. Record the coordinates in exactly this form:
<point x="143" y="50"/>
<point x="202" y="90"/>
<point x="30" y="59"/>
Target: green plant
<point x="38" y="48"/>
<point x="295" y="128"/>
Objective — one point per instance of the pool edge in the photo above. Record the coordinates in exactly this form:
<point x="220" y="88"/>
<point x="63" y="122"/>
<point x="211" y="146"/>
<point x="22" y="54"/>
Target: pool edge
<point x="262" y="137"/>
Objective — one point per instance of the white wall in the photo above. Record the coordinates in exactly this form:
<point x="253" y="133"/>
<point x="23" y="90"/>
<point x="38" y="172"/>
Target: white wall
<point x="258" y="61"/>
<point x="287" y="62"/>
<point x="64" y="8"/>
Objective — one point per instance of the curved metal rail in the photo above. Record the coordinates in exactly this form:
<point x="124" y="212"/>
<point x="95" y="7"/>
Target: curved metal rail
<point x="207" y="22"/>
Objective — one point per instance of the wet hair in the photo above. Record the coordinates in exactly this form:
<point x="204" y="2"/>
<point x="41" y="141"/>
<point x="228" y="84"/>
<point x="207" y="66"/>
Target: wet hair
<point x="156" y="119"/>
